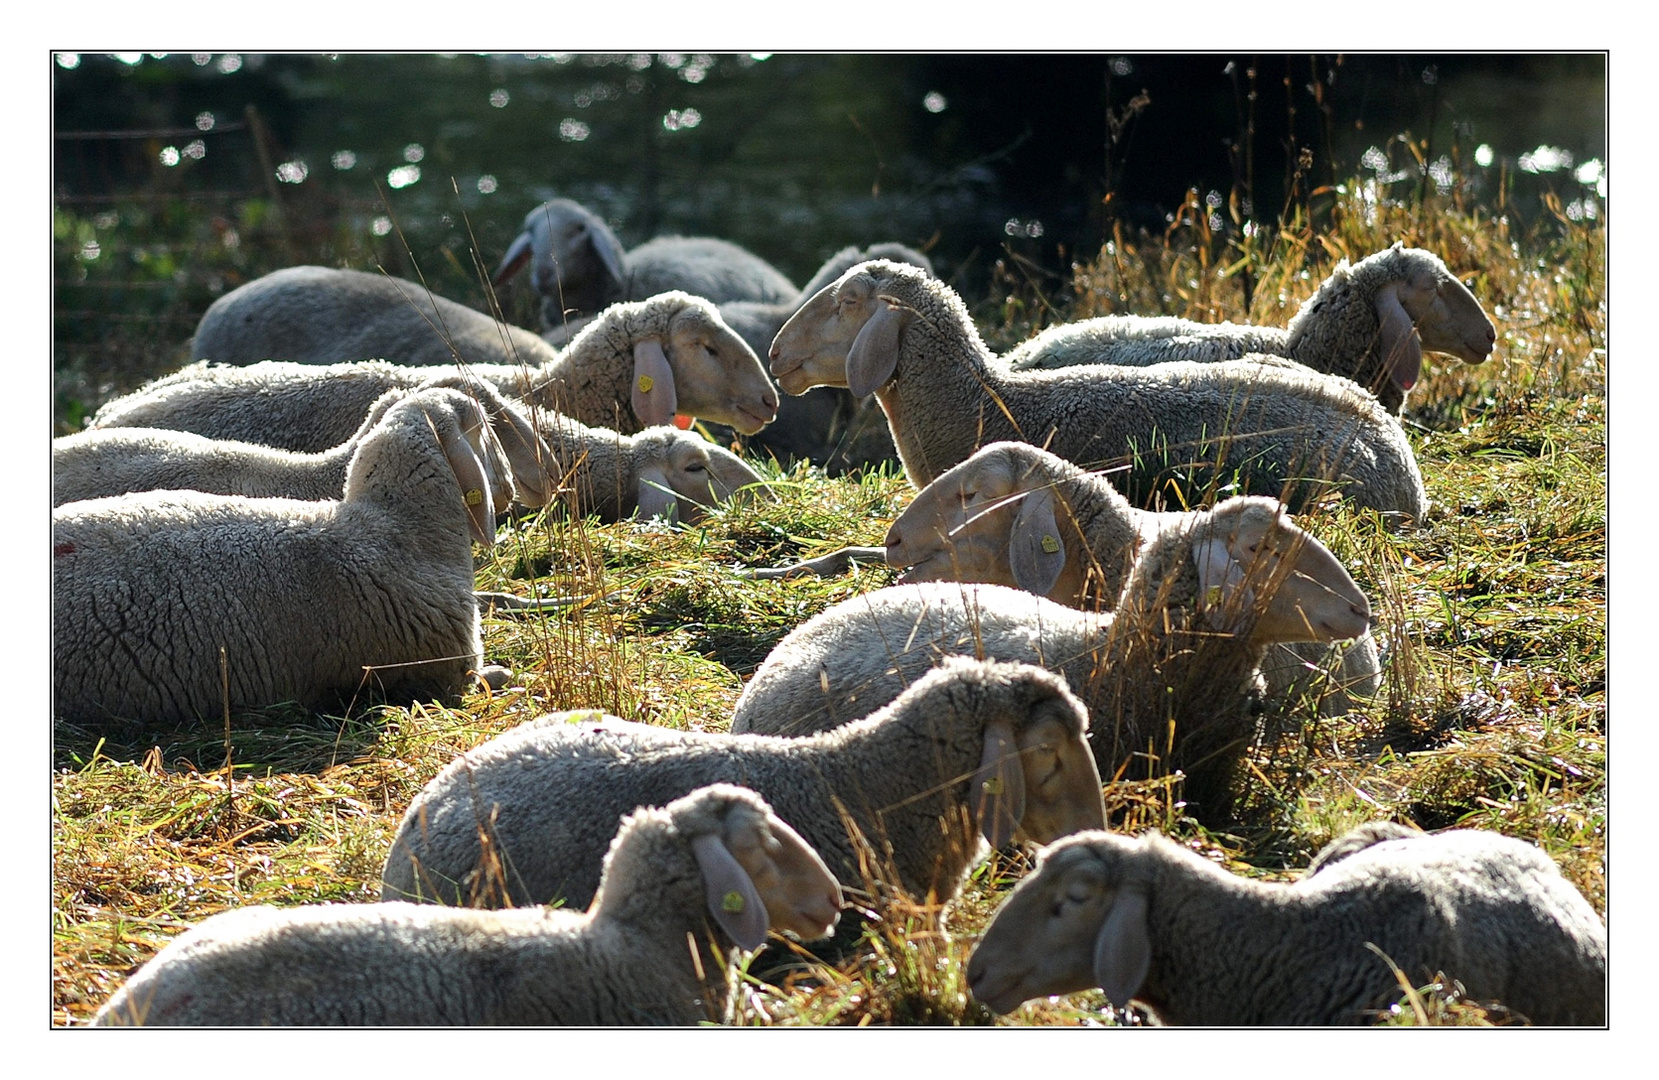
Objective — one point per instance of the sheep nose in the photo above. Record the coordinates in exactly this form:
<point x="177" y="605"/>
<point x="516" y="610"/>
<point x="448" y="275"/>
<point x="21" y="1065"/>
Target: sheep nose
<point x="770" y="399"/>
<point x="772" y="353"/>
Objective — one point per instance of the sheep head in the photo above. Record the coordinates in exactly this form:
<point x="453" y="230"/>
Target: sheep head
<point x="575" y="260"/>
<point x="1260" y="574"/>
<point x="1078" y="921"/>
<point x="681" y="474"/>
<point x="993" y="518"/>
<point x="699" y="366"/>
<point x="757" y="871"/>
<point x="845" y="335"/>
<point x="1037" y="779"/>
<point x="1423" y="306"/>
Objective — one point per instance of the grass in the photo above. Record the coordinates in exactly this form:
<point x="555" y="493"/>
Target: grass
<point x="1493" y="613"/>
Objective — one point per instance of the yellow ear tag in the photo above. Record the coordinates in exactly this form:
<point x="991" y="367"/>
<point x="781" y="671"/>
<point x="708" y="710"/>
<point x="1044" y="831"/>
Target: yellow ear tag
<point x="472" y="497"/>
<point x="1050" y="545"/>
<point x="732" y="902"/>
<point x="993" y="786"/>
<point x="1214" y="595"/>
<point x="646" y="383"/>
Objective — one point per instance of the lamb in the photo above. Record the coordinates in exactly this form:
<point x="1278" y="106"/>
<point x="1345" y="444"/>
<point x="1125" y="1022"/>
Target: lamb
<point x="578" y="265"/>
<point x="660" y="472"/>
<point x="1171" y="678"/>
<point x="635" y="367"/>
<point x="827" y="426"/>
<point x="678" y="884"/>
<point x="1369" y="322"/>
<point x="888" y="328"/>
<point x="1014" y="514"/>
<point x="997" y="747"/>
<point x="113" y="461"/>
<point x="305" y="601"/>
<point x="1146" y="919"/>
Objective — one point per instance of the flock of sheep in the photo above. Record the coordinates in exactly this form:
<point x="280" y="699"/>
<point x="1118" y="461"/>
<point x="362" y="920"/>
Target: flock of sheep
<point x="250" y="531"/>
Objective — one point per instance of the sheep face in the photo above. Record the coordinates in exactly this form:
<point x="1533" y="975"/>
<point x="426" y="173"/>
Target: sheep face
<point x="1261" y="574"/>
<point x="990" y="519"/>
<point x="1448" y="317"/>
<point x="715" y="374"/>
<point x="812" y="347"/>
<point x="1069" y="926"/>
<point x="1057" y="772"/>
<point x="797" y="890"/>
<point x="575" y="260"/>
<point x="681" y="474"/>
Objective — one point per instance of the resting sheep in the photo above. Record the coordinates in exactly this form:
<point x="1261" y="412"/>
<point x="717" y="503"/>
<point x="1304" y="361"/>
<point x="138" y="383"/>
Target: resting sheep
<point x="1146" y="919"/>
<point x="309" y="601"/>
<point x="678" y="883"/>
<point x="1369" y="322"/>
<point x="637" y="366"/>
<point x="1014" y="514"/>
<point x="113" y="461"/>
<point x="916" y="779"/>
<point x="1296" y="434"/>
<point x="1171" y="679"/>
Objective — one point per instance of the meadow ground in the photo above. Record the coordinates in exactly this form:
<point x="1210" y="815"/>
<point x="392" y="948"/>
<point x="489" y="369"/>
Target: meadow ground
<point x="1493" y="614"/>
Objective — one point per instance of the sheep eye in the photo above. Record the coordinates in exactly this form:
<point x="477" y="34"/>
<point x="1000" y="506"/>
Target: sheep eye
<point x="696" y="466"/>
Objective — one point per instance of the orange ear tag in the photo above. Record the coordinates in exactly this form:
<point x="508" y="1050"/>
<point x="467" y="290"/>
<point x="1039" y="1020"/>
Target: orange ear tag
<point x="682" y="421"/>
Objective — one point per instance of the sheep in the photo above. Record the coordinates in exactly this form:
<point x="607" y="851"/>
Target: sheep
<point x="112" y="461"/>
<point x="1369" y="322"/>
<point x="827" y="426"/>
<point x="678" y="883"/>
<point x="1014" y="514"/>
<point x="635" y="367"/>
<point x="660" y="472"/>
<point x="578" y="265"/>
<point x="1171" y="678"/>
<point x="974" y="745"/>
<point x="1146" y="919"/>
<point x="300" y="601"/>
<point x="888" y="328"/>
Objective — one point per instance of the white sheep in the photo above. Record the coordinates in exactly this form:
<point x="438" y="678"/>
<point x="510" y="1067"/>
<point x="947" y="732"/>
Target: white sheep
<point x="113" y="461"/>
<point x="1260" y="424"/>
<point x="678" y="883"/>
<point x="1148" y="920"/>
<point x="310" y="602"/>
<point x="1171" y="679"/>
<point x="975" y="749"/>
<point x="1369" y="322"/>
<point x="578" y="266"/>
<point x="637" y="366"/>
<point x="1014" y="514"/>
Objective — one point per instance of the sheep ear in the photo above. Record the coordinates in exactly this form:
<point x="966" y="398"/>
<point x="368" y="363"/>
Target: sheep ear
<point x="656" y="497"/>
<point x="999" y="786"/>
<point x="1402" y="349"/>
<point x="1123" y="948"/>
<point x="653" y="395"/>
<point x="732" y="898"/>
<point x="875" y="352"/>
<point x="1034" y="546"/>
<point x="536" y="472"/>
<point x="603" y="243"/>
<point x="1218" y="575"/>
<point x="471" y="474"/>
<point x="511" y="263"/>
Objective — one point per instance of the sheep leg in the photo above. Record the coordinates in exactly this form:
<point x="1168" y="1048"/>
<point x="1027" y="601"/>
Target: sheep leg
<point x="836" y="562"/>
